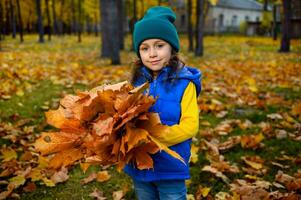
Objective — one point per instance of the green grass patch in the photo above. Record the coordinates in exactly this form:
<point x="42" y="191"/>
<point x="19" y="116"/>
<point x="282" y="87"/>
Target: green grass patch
<point x="73" y="189"/>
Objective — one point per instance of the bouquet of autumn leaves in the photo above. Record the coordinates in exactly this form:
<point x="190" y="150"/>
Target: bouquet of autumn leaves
<point x="108" y="125"/>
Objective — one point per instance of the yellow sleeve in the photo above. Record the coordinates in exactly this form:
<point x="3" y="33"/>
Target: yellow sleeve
<point x="189" y="121"/>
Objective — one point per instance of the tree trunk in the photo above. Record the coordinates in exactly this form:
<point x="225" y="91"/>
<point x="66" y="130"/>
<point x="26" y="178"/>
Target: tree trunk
<point x="40" y="21"/>
<point x="109" y="30"/>
<point x="79" y="25"/>
<point x="190" y="30"/>
<point x="7" y="17"/>
<point x="60" y="24"/>
<point x="13" y="19"/>
<point x="265" y="5"/>
<point x="73" y="18"/>
<point x="199" y="51"/>
<point x="274" y="27"/>
<point x="20" y="20"/>
<point x="1" y="25"/>
<point x="133" y="21"/>
<point x="48" y="20"/>
<point x="96" y="21"/>
<point x="55" y="28"/>
<point x="120" y="18"/>
<point x="286" y="26"/>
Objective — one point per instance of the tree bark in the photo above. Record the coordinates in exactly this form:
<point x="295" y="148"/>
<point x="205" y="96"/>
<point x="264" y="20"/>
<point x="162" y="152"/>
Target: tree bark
<point x="79" y="25"/>
<point x="73" y="18"/>
<point x="274" y="27"/>
<point x="7" y="17"/>
<point x="20" y="20"/>
<point x="40" y="21"/>
<point x="48" y="20"/>
<point x="190" y="29"/>
<point x="55" y="28"/>
<point x="96" y="21"/>
<point x="199" y="51"/>
<point x="133" y="21"/>
<point x="286" y="26"/>
<point x="109" y="30"/>
<point x="1" y="25"/>
<point x="60" y="24"/>
<point x="120" y="18"/>
<point x="13" y="19"/>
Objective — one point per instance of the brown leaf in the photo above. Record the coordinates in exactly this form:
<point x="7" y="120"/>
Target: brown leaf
<point x="60" y="176"/>
<point x="251" y="141"/>
<point x="97" y="195"/>
<point x="88" y="179"/>
<point x="65" y="158"/>
<point x="52" y="142"/>
<point x="30" y="187"/>
<point x="136" y="137"/>
<point x="60" y="118"/>
<point x="117" y="195"/>
<point x="255" y="162"/>
<point x="8" y="192"/>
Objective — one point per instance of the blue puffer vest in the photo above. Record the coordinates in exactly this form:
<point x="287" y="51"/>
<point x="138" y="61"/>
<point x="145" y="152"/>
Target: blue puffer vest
<point x="168" y="105"/>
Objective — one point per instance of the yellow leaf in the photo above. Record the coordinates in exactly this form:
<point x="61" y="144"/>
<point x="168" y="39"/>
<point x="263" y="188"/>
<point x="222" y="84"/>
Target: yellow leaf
<point x="17" y="180"/>
<point x="296" y="109"/>
<point x="20" y="92"/>
<point x="8" y="154"/>
<point x="35" y="174"/>
<point x="167" y="150"/>
<point x="190" y="197"/>
<point x="194" y="153"/>
<point x="252" y="164"/>
<point x="248" y="176"/>
<point x="43" y="162"/>
<point x="205" y="191"/>
<point x="48" y="182"/>
<point x="85" y="166"/>
<point x="103" y="176"/>
<point x="252" y="84"/>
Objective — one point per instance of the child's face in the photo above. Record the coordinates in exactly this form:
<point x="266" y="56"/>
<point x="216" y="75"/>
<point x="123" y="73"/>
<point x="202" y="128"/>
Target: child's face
<point x="155" y="54"/>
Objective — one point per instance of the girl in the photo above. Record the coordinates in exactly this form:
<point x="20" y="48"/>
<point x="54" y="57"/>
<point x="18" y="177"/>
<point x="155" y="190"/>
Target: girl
<point x="176" y="87"/>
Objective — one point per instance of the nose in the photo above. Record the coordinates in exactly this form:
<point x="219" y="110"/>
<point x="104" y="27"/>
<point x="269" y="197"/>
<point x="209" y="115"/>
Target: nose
<point x="152" y="52"/>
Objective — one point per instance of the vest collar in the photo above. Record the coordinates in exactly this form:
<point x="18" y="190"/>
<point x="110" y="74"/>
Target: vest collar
<point x="161" y="76"/>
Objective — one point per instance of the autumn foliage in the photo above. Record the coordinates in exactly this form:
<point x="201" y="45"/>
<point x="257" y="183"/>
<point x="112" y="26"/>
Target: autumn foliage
<point x="108" y="125"/>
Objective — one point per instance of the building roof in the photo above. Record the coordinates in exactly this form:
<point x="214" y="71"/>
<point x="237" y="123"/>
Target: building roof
<point x="240" y="4"/>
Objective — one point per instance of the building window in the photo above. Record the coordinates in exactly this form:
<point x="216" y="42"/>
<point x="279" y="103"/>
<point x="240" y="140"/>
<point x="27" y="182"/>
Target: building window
<point x="183" y="20"/>
<point x="234" y="20"/>
<point x="247" y="18"/>
<point x="221" y="20"/>
<point x="257" y="19"/>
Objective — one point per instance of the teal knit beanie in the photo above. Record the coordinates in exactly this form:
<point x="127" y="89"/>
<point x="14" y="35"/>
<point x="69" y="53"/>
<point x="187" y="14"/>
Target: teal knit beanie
<point x="156" y="23"/>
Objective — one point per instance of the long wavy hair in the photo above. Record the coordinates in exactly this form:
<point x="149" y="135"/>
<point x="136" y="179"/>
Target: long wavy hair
<point x="175" y="63"/>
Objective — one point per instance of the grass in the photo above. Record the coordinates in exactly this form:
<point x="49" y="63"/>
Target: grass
<point x="78" y="64"/>
<point x="72" y="189"/>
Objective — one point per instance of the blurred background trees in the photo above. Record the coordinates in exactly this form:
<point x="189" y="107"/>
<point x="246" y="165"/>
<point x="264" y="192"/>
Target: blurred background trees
<point x="115" y="19"/>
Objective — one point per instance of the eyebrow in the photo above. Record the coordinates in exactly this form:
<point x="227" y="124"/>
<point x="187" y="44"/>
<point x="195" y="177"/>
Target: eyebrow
<point x="157" y="41"/>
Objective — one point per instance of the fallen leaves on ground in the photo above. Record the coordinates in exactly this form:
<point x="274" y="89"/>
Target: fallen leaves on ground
<point x="250" y="99"/>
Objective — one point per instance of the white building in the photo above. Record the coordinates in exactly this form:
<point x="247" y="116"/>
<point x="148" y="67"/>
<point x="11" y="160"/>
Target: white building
<point x="225" y="16"/>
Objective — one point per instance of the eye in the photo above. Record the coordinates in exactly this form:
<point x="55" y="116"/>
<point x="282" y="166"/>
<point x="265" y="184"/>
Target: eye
<point x="160" y="45"/>
<point x="143" y="49"/>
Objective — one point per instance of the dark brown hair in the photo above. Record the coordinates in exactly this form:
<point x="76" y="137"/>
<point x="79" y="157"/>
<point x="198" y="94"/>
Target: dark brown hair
<point x="175" y="63"/>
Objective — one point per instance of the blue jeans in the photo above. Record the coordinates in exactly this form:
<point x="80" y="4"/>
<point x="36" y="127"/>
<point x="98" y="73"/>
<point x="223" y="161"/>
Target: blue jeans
<point x="161" y="190"/>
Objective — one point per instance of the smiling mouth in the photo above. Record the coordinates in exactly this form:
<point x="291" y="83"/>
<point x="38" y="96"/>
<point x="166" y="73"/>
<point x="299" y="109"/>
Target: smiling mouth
<point x="155" y="62"/>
